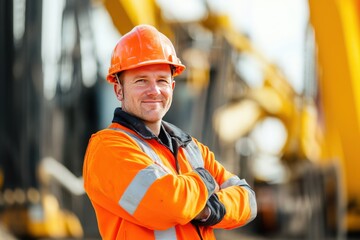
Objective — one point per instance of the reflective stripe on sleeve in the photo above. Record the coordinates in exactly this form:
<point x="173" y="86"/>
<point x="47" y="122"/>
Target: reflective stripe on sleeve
<point x="138" y="187"/>
<point x="236" y="181"/>
<point x="193" y="155"/>
<point x="253" y="206"/>
<point x="168" y="234"/>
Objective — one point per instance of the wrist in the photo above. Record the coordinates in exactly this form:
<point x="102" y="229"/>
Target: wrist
<point x="206" y="215"/>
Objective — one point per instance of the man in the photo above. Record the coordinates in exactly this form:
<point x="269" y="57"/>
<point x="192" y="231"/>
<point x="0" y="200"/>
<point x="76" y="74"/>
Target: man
<point x="146" y="178"/>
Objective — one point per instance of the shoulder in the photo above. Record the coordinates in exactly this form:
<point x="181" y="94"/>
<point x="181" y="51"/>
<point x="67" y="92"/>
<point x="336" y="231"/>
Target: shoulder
<point x="113" y="137"/>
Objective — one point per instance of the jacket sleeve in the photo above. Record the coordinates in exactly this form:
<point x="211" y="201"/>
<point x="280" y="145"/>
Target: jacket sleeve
<point x="237" y="196"/>
<point x="121" y="178"/>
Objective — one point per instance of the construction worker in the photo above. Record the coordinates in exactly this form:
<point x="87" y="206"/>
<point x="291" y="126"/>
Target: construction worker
<point x="146" y="178"/>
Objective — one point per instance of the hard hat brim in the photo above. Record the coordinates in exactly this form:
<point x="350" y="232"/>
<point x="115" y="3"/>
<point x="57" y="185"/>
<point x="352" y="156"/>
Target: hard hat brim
<point x="179" y="68"/>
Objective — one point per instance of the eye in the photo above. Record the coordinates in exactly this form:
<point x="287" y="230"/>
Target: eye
<point x="163" y="81"/>
<point x="140" y="80"/>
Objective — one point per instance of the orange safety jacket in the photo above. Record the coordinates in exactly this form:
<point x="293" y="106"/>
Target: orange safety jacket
<point x="144" y="189"/>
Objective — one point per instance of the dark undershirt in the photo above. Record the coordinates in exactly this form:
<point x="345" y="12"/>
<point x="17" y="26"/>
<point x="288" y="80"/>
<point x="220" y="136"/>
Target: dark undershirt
<point x="165" y="139"/>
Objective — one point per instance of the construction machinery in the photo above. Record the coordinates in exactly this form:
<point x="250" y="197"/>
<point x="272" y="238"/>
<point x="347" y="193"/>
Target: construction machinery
<point x="44" y="105"/>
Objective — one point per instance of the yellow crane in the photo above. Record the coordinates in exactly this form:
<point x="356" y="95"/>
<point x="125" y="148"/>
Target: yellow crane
<point x="337" y="32"/>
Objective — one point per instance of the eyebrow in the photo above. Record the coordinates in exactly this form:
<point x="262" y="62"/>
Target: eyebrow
<point x="160" y="75"/>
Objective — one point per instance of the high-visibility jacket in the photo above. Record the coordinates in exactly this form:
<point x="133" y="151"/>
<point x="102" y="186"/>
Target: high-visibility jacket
<point x="140" y="189"/>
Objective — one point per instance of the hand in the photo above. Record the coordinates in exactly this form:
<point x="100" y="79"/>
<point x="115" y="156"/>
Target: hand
<point x="204" y="214"/>
<point x="217" y="212"/>
<point x="217" y="187"/>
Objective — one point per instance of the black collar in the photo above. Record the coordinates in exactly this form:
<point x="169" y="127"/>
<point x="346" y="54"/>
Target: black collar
<point x="139" y="127"/>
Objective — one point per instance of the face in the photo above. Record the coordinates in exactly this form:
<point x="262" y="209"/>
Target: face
<point x="146" y="92"/>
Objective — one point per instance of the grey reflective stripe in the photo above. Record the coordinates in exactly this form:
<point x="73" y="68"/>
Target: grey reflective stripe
<point x="193" y="155"/>
<point x="168" y="234"/>
<point x="253" y="206"/>
<point x="145" y="148"/>
<point x="236" y="181"/>
<point x="138" y="187"/>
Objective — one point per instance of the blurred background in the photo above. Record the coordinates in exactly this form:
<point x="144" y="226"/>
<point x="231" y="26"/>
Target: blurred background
<point x="271" y="86"/>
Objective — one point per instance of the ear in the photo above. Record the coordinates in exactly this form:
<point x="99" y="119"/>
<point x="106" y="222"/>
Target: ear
<point x="173" y="84"/>
<point x="118" y="92"/>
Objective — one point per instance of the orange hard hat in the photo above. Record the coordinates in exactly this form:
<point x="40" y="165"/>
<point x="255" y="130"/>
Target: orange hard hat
<point x="143" y="45"/>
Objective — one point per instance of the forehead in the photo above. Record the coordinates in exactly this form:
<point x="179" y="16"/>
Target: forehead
<point x="149" y="70"/>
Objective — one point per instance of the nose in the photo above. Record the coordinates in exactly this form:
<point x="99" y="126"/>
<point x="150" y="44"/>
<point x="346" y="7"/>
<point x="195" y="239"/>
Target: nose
<point x="153" y="88"/>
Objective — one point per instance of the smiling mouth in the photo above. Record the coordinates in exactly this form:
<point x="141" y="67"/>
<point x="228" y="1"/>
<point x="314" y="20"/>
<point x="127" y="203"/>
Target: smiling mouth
<point x="152" y="101"/>
<point x="152" y="104"/>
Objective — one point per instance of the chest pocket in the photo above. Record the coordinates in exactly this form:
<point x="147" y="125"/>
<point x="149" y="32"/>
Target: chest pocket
<point x="192" y="151"/>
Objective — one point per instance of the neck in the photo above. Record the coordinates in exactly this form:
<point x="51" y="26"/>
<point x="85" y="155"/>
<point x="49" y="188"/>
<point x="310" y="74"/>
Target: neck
<point x="154" y="127"/>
